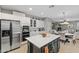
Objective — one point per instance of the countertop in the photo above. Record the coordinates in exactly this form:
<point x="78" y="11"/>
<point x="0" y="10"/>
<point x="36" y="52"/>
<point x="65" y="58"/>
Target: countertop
<point x="40" y="41"/>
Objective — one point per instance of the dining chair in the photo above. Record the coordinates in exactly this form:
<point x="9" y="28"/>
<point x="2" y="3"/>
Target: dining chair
<point x="62" y="37"/>
<point x="75" y="37"/>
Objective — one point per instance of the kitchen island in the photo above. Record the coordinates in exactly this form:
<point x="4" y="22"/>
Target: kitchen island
<point x="37" y="43"/>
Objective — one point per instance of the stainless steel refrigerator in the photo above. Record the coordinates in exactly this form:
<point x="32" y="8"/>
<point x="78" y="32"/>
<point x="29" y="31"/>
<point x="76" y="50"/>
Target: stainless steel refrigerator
<point x="10" y="34"/>
<point x="5" y="36"/>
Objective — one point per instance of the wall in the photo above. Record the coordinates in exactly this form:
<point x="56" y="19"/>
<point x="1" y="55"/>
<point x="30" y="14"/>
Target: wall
<point x="48" y="25"/>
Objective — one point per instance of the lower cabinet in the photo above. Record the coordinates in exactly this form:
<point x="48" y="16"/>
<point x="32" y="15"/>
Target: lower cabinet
<point x="52" y="47"/>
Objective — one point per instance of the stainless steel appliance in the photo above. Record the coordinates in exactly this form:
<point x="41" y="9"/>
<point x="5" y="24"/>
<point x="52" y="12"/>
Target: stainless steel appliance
<point x="16" y="32"/>
<point x="10" y="34"/>
<point x="5" y="36"/>
<point x="25" y="32"/>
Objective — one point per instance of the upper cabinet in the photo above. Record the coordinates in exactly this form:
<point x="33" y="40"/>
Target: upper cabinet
<point x="9" y="16"/>
<point x="6" y="16"/>
<point x="22" y="19"/>
<point x="25" y="21"/>
<point x="33" y="23"/>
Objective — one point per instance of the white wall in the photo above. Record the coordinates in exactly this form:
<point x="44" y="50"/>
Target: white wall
<point x="39" y="23"/>
<point x="78" y="25"/>
<point x="48" y="25"/>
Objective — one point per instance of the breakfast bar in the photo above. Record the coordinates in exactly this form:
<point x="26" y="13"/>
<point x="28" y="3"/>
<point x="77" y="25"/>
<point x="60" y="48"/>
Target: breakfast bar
<point x="40" y="44"/>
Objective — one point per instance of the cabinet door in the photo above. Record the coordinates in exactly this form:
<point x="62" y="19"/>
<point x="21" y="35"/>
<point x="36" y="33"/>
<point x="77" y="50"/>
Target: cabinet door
<point x="9" y="16"/>
<point x="6" y="16"/>
<point x="25" y="21"/>
<point x="54" y="45"/>
<point x="58" y="43"/>
<point x="15" y="17"/>
<point x="34" y="23"/>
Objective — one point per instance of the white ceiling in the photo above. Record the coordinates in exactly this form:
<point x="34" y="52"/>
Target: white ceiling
<point x="71" y="11"/>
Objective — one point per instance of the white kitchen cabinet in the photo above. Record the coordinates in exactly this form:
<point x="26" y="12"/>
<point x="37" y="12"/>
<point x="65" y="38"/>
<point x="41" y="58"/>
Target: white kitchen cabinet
<point x="6" y="16"/>
<point x="18" y="14"/>
<point x="9" y="16"/>
<point x="25" y="21"/>
<point x="33" y="23"/>
<point x="28" y="21"/>
<point x="15" y="17"/>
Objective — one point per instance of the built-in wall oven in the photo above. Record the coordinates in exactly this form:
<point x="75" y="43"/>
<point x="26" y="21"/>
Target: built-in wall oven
<point x="25" y="32"/>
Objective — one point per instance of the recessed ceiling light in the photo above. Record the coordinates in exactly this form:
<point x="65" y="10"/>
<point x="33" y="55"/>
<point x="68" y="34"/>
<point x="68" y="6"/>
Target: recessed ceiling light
<point x="30" y="8"/>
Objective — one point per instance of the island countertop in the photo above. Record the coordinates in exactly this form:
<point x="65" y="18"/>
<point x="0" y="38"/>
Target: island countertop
<point x="40" y="41"/>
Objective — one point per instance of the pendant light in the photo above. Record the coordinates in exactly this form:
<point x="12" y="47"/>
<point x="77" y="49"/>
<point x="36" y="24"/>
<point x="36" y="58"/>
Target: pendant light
<point x="65" y="21"/>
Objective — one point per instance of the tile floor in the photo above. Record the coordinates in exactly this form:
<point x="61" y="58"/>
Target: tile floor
<point x="64" y="48"/>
